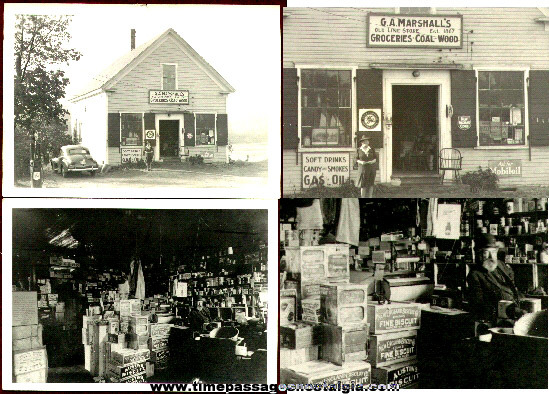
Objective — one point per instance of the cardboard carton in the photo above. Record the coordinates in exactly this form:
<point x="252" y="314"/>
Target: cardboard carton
<point x="160" y="329"/>
<point x="392" y="348"/>
<point x="129" y="356"/>
<point x="404" y="374"/>
<point x="290" y="357"/>
<point x="299" y="335"/>
<point x="393" y="317"/>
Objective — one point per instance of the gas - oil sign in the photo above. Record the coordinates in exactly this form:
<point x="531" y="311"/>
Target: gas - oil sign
<point x="506" y="168"/>
<point x="433" y="31"/>
<point x="325" y="169"/>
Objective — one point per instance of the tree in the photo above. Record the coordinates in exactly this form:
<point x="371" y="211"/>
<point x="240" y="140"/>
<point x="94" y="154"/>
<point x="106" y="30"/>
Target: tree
<point x="38" y="87"/>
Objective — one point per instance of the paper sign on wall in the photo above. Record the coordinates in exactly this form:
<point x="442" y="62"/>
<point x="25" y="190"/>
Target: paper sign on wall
<point x="447" y="221"/>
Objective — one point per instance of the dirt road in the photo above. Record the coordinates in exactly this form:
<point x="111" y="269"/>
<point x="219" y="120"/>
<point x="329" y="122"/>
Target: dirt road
<point x="184" y="175"/>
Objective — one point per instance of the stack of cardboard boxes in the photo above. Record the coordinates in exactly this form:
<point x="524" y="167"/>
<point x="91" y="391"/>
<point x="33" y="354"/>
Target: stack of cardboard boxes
<point x="125" y="347"/>
<point x="393" y="343"/>
<point x="329" y="344"/>
<point x="30" y="361"/>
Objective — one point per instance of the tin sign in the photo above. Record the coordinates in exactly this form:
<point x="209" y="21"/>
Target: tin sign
<point x="464" y="122"/>
<point x="325" y="169"/>
<point x="168" y="96"/>
<point x="419" y="31"/>
<point x="150" y="134"/>
<point x="369" y="119"/>
<point x="506" y="168"/>
<point x="131" y="155"/>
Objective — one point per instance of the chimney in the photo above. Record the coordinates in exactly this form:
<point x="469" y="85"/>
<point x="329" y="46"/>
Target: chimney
<point x="133" y="39"/>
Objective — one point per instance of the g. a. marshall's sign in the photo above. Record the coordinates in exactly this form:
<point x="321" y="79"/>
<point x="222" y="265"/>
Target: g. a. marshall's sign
<point x="168" y="96"/>
<point x="506" y="168"/>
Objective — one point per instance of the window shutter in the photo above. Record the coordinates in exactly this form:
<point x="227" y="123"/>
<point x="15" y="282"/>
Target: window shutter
<point x="538" y="107"/>
<point x="188" y="118"/>
<point x="150" y="125"/>
<point x="222" y="130"/>
<point x="113" y="137"/>
<point x="369" y="95"/>
<point x="464" y="102"/>
<point x="290" y="139"/>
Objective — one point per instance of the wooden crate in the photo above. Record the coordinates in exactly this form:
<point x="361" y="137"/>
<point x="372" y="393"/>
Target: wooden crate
<point x="290" y="357"/>
<point x="343" y="303"/>
<point x="299" y="335"/>
<point x="392" y="348"/>
<point x="358" y="372"/>
<point x="393" y="317"/>
<point x="404" y="374"/>
<point x="344" y="344"/>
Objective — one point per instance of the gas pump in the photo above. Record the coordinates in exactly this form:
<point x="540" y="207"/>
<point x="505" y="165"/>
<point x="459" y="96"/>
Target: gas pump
<point x="35" y="163"/>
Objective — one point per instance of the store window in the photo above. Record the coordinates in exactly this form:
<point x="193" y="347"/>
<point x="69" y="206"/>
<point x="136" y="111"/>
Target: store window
<point x="326" y="108"/>
<point x="205" y="129"/>
<point x="131" y="129"/>
<point x="501" y="108"/>
<point x="168" y="77"/>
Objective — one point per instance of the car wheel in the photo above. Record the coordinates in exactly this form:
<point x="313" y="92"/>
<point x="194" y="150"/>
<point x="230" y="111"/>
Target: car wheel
<point x="64" y="172"/>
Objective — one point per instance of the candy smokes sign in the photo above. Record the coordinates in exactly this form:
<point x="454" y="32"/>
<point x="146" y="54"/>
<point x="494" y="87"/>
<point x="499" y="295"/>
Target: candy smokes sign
<point x="506" y="168"/>
<point x="325" y="169"/>
<point x="432" y="31"/>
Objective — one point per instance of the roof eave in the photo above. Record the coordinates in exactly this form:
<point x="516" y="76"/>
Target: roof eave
<point x="86" y="95"/>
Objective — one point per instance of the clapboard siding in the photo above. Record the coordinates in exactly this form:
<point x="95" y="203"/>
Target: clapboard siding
<point x="131" y="93"/>
<point x="338" y="36"/>
<point x="115" y="157"/>
<point x="91" y="115"/>
<point x="534" y="172"/>
<point x="291" y="176"/>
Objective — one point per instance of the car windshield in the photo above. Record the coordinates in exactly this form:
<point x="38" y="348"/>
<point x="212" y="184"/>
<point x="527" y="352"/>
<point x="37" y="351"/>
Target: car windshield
<point x="78" y="151"/>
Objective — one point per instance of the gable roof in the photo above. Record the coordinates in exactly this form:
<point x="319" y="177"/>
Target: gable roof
<point x="127" y="62"/>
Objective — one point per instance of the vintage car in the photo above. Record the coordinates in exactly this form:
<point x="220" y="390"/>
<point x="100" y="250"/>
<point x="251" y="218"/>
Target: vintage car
<point x="74" y="158"/>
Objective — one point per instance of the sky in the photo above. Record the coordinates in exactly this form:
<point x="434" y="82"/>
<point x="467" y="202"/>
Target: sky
<point x="241" y="42"/>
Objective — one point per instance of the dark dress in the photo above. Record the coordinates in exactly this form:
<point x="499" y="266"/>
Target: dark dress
<point x="149" y="153"/>
<point x="486" y="289"/>
<point x="367" y="171"/>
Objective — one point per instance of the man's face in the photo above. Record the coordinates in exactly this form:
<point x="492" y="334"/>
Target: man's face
<point x="490" y="258"/>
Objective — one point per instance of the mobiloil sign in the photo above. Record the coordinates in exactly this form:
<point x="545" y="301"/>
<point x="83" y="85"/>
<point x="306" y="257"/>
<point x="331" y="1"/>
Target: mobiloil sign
<point x="506" y="168"/>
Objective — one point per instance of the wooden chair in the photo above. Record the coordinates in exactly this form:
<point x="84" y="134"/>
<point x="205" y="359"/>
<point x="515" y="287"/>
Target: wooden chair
<point x="450" y="159"/>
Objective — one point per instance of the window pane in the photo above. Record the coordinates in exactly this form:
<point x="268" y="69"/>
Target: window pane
<point x="205" y="129"/>
<point x="484" y="114"/>
<point x="331" y="98"/>
<point x="344" y="79"/>
<point x="131" y="129"/>
<point x="332" y="79"/>
<point x="307" y="78"/>
<point x="327" y="91"/>
<point x="483" y="80"/>
<point x="320" y="79"/>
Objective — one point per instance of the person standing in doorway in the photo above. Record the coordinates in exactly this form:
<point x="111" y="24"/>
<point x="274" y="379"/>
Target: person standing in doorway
<point x="149" y="152"/>
<point x="367" y="165"/>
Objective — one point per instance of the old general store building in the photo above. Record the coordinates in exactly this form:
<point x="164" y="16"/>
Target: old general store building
<point x="162" y="92"/>
<point x="417" y="80"/>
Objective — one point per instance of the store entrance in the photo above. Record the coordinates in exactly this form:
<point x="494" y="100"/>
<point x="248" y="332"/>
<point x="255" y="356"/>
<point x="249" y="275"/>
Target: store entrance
<point x="415" y="128"/>
<point x="169" y="138"/>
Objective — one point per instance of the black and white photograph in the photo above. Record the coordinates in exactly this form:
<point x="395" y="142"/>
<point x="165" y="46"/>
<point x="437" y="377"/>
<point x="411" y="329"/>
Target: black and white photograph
<point x="137" y="295"/>
<point x="428" y="293"/>
<point x="143" y="96"/>
<point x="415" y="101"/>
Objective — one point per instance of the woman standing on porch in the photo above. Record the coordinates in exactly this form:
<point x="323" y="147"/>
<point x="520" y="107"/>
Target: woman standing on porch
<point x="367" y="161"/>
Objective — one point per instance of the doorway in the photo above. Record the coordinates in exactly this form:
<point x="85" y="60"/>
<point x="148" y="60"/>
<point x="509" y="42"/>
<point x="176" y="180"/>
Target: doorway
<point x="415" y="129"/>
<point x="168" y="138"/>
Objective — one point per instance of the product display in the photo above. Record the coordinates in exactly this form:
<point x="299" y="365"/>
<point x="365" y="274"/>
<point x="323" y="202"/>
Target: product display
<point x="421" y="295"/>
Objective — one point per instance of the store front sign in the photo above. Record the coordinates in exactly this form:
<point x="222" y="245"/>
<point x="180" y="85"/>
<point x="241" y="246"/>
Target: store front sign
<point x="325" y="169"/>
<point x="506" y="168"/>
<point x="464" y="122"/>
<point x="370" y="119"/>
<point x="168" y="96"/>
<point x="131" y="155"/>
<point x="414" y="31"/>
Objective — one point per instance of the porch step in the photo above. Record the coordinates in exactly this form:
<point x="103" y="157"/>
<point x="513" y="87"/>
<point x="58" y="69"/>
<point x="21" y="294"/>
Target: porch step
<point x="418" y="179"/>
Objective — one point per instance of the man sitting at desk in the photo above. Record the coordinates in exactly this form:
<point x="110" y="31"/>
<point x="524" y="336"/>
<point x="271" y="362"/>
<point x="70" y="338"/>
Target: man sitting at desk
<point x="490" y="281"/>
<point x="199" y="315"/>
